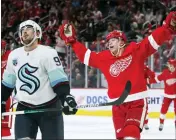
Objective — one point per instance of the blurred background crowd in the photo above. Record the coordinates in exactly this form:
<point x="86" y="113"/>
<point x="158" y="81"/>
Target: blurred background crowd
<point x="93" y="20"/>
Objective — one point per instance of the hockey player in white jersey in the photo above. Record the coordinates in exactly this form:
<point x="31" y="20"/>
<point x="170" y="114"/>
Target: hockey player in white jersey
<point x="38" y="76"/>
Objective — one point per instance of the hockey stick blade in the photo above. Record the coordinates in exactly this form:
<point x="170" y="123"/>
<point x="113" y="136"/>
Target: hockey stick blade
<point x="116" y="102"/>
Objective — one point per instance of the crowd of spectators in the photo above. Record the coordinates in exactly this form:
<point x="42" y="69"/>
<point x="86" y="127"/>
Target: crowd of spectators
<point x="93" y="20"/>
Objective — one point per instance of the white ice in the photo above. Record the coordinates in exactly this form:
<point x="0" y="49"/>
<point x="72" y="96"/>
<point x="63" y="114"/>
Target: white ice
<point x="91" y="127"/>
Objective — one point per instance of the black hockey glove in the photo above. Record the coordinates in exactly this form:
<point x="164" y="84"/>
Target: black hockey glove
<point x="69" y="105"/>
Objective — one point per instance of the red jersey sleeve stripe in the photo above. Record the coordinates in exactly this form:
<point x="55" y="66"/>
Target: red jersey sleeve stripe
<point x="87" y="57"/>
<point x="153" y="42"/>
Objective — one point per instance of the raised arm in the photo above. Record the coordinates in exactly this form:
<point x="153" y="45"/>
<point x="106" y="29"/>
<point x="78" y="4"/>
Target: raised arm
<point x="67" y="33"/>
<point x="160" y="77"/>
<point x="86" y="56"/>
<point x="164" y="33"/>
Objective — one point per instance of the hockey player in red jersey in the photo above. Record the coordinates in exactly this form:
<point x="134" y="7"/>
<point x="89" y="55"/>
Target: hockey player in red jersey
<point x="6" y="121"/>
<point x="149" y="75"/>
<point x="169" y="78"/>
<point x="119" y="64"/>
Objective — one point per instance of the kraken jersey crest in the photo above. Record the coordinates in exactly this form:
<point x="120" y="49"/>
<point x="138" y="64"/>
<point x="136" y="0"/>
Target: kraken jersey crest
<point x="31" y="82"/>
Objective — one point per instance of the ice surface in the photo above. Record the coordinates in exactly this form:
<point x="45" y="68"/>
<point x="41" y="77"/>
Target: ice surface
<point x="91" y="127"/>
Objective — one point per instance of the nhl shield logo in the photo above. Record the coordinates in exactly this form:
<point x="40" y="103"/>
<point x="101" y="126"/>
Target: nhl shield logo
<point x="15" y="62"/>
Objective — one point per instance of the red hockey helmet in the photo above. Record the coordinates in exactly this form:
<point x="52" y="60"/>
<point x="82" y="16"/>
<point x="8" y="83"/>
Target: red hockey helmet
<point x="3" y="44"/>
<point x="172" y="62"/>
<point x="116" y="34"/>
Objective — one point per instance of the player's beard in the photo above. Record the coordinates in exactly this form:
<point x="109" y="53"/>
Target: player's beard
<point x="27" y="41"/>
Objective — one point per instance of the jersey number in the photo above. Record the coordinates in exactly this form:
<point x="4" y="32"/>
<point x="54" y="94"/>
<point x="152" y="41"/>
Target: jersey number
<point x="57" y="60"/>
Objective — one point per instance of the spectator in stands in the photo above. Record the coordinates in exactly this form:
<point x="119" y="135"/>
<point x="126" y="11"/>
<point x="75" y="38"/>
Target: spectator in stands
<point x="75" y="70"/>
<point x="134" y="34"/>
<point x="110" y="28"/>
<point x="78" y="82"/>
<point x="76" y="3"/>
<point x="97" y="15"/>
<point x="129" y="16"/>
<point x="172" y="52"/>
<point x="92" y="79"/>
<point x="149" y="14"/>
<point x="11" y="20"/>
<point x="77" y="65"/>
<point x="138" y="17"/>
<point x="38" y="11"/>
<point x="53" y="10"/>
<point x="52" y="21"/>
<point x="81" y="21"/>
<point x="66" y="12"/>
<point x="98" y="45"/>
<point x="48" y="40"/>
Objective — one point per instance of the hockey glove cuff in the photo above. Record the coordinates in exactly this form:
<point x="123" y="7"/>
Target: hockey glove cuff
<point x="69" y="105"/>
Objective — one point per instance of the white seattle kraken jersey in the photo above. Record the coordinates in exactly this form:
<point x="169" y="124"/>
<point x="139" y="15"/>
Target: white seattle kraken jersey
<point x="34" y="74"/>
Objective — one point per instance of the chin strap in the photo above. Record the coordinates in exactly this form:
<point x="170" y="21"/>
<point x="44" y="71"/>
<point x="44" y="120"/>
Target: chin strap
<point x="120" y="47"/>
<point x="35" y="37"/>
<point x="30" y="42"/>
<point x="118" y="50"/>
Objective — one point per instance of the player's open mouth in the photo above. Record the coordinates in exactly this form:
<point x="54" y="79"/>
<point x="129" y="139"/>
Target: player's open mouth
<point x="111" y="47"/>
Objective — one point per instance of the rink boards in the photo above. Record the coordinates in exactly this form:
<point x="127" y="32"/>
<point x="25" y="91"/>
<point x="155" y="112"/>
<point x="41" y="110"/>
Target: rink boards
<point x="96" y="96"/>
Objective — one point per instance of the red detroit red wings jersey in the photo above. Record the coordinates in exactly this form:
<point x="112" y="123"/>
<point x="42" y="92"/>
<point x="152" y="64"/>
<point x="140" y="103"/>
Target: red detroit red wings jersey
<point x="7" y="121"/>
<point x="4" y="58"/>
<point x="169" y="82"/>
<point x="129" y="66"/>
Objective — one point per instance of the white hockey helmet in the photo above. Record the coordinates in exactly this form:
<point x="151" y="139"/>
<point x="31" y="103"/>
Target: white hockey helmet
<point x="37" y="31"/>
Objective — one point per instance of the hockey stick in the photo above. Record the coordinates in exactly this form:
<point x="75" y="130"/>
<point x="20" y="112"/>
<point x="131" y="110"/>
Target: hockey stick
<point x="162" y="6"/>
<point x="116" y="102"/>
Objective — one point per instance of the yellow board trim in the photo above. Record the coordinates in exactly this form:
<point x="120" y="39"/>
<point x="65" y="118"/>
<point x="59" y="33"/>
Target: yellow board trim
<point x="109" y="113"/>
